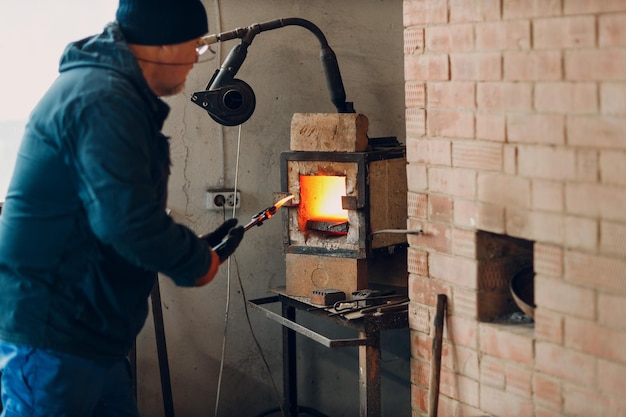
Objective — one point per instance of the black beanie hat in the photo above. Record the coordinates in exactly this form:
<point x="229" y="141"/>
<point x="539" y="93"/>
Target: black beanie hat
<point x="161" y="22"/>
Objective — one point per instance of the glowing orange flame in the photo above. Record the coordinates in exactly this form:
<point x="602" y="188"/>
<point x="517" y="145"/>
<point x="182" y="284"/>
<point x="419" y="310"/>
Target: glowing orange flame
<point x="320" y="198"/>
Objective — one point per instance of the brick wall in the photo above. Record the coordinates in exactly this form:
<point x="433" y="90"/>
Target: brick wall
<point x="516" y="126"/>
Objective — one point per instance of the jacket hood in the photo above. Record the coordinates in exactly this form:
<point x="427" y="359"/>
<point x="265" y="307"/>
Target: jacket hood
<point x="105" y="50"/>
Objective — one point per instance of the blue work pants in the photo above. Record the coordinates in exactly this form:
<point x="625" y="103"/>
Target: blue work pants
<point x="45" y="383"/>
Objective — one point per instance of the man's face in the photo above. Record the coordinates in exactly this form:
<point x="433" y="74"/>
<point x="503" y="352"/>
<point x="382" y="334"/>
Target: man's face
<point x="170" y="79"/>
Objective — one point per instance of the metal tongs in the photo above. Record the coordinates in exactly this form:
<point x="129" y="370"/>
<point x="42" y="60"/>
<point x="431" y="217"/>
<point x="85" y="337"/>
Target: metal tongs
<point x="260" y="217"/>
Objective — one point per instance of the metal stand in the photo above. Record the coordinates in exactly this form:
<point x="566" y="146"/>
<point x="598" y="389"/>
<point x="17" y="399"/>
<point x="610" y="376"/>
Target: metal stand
<point x="368" y="342"/>
<point x="164" y="369"/>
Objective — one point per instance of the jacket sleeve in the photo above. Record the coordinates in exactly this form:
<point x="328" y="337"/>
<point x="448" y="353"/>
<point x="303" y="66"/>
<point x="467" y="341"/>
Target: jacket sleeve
<point x="122" y="166"/>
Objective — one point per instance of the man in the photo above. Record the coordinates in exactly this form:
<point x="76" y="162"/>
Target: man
<point x="83" y="231"/>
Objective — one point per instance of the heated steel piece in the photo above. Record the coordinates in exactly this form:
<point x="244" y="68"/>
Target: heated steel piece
<point x="260" y="217"/>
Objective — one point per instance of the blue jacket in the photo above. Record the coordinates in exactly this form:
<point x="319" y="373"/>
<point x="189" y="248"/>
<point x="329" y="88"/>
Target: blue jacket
<point x="83" y="231"/>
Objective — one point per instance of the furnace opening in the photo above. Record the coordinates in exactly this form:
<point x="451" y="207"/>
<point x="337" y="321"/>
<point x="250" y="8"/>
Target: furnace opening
<point x="320" y="204"/>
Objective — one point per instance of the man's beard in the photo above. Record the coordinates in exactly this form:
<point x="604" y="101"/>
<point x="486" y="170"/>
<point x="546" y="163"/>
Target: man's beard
<point x="174" y="90"/>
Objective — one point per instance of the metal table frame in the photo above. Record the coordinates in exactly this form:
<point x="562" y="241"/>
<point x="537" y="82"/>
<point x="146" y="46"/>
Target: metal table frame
<point x="368" y="342"/>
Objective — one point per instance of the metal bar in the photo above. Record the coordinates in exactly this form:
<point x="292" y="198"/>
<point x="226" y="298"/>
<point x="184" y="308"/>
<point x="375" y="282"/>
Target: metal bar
<point x="159" y="330"/>
<point x="435" y="366"/>
<point x="369" y="376"/>
<point x="290" y="368"/>
<point x="323" y="340"/>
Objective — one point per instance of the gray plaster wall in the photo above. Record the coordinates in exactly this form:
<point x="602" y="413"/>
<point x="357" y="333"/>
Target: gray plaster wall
<point x="283" y="68"/>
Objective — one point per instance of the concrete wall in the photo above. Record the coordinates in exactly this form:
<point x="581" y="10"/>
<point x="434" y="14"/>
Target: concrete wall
<point x="284" y="70"/>
<point x="516" y="114"/>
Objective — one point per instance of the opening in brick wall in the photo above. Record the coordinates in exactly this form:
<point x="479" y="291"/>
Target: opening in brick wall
<point x="505" y="278"/>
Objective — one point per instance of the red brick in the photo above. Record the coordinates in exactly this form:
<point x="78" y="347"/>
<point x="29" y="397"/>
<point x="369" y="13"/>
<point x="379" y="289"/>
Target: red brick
<point x="424" y="290"/>
<point x="449" y="407"/>
<point x="563" y="297"/>
<point x="519" y="380"/>
<point x="417" y="177"/>
<point x="596" y="131"/>
<point x="585" y="401"/>
<point x="419" y="400"/>
<point x="415" y="123"/>
<point x="548" y="326"/>
<point x="413" y="40"/>
<point x="490" y="126"/>
<point x="545" y="227"/>
<point x="423" y="12"/>
<point x="453" y="269"/>
<point x="581" y="233"/>
<point x="612" y="30"/>
<point x="415" y="240"/>
<point x="595" y="340"/>
<point x="548" y="390"/>
<point x="533" y="66"/>
<point x="611" y="378"/>
<point x="612" y="310"/>
<point x="460" y="387"/>
<point x="420" y="373"/>
<point x="417" y="205"/>
<point x="564" y="32"/>
<point x="491" y="218"/>
<point x="419" y="318"/>
<point x="464" y="302"/>
<point x="432" y="152"/>
<point x="474" y="11"/>
<point x="485" y="66"/>
<point x="548" y="260"/>
<point x="448" y="123"/>
<point x="506" y="342"/>
<point x="465" y="213"/>
<point x="451" y="95"/>
<point x="440" y="208"/>
<point x="449" y="38"/>
<point x="547" y="162"/>
<point x="492" y="372"/>
<point x="503" y="404"/>
<point x="478" y="155"/>
<point x="612" y="98"/>
<point x="417" y="261"/>
<point x="565" y="363"/>
<point x="595" y="64"/>
<point x="453" y="181"/>
<point x="421" y="345"/>
<point x="544" y="412"/>
<point x="593" y="6"/>
<point x="464" y="243"/>
<point x="510" y="159"/>
<point x="436" y="236"/>
<point x="548" y="195"/>
<point x="461" y="331"/>
<point x="504" y="96"/>
<point x="516" y="9"/>
<point x="519" y="223"/>
<point x="595" y="200"/>
<point x="461" y="359"/>
<point x="566" y="97"/>
<point x="613" y="238"/>
<point x="415" y="94"/>
<point x="503" y="35"/>
<point x="426" y="67"/>
<point x="536" y="128"/>
<point x="504" y="190"/>
<point x="587" y="165"/>
<point x="595" y="271"/>
<point x="613" y="167"/>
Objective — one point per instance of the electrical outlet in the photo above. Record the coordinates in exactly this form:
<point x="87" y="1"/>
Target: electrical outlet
<point x="222" y="199"/>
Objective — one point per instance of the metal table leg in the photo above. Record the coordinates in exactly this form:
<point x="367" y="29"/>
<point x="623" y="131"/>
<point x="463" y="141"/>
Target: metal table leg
<point x="369" y="375"/>
<point x="290" y="376"/>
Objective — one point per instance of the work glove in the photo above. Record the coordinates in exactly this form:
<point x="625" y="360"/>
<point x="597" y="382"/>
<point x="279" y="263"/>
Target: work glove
<point x="228" y="232"/>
